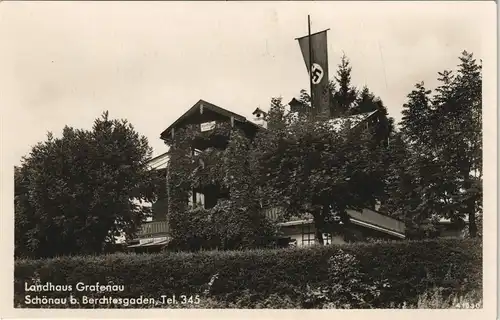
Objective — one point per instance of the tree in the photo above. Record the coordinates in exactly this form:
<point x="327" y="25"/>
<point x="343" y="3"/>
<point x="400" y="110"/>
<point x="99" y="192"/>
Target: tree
<point x="307" y="166"/>
<point x="458" y="110"/>
<point x="25" y="239"/>
<point x="421" y="193"/>
<point x="416" y="124"/>
<point x="80" y="191"/>
<point x="365" y="102"/>
<point x="443" y="136"/>
<point x="403" y="190"/>
<point x="345" y="96"/>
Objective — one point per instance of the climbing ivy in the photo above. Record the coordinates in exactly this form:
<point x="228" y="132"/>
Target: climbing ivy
<point x="236" y="222"/>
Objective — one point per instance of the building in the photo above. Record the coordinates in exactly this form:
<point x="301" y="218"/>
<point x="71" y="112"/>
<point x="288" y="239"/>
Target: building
<point x="300" y="232"/>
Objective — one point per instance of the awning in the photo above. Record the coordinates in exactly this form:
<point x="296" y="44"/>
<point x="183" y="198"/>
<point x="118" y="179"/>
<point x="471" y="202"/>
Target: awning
<point x="366" y="218"/>
<point x="374" y="227"/>
<point x="150" y="243"/>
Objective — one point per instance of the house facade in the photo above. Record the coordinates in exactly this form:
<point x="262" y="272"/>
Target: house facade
<point x="154" y="235"/>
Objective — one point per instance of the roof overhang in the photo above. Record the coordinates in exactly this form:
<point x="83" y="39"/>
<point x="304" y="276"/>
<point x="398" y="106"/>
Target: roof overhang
<point x="295" y="223"/>
<point x="199" y="107"/>
<point x="377" y="228"/>
<point x="366" y="219"/>
<point x="354" y="121"/>
<point x="158" y="162"/>
<point x="151" y="243"/>
<point x="202" y="104"/>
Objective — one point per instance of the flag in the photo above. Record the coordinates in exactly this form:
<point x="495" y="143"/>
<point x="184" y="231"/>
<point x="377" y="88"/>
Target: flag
<point x="320" y="95"/>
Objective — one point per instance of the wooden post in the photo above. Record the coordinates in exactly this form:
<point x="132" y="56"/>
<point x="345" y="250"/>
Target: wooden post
<point x="232" y="121"/>
<point x="168" y="187"/>
<point x="310" y="64"/>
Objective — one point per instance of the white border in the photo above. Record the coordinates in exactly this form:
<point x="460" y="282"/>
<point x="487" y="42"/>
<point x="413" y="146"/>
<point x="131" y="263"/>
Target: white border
<point x="489" y="248"/>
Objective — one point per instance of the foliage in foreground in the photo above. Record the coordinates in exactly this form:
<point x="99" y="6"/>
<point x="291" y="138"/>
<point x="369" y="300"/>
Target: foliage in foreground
<point x="359" y="275"/>
<point x="432" y="299"/>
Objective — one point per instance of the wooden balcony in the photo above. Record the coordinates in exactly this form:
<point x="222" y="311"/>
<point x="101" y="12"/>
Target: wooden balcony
<point x="273" y="213"/>
<point x="154" y="228"/>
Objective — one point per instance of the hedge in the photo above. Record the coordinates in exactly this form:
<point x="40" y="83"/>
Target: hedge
<point x="410" y="267"/>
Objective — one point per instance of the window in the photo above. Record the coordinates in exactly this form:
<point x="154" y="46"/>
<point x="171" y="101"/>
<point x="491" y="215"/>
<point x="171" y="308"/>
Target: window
<point x="308" y="236"/>
<point x="195" y="153"/>
<point x="327" y="238"/>
<point x="308" y="239"/>
<point x="197" y="201"/>
<point x="190" y="199"/>
<point x="200" y="199"/>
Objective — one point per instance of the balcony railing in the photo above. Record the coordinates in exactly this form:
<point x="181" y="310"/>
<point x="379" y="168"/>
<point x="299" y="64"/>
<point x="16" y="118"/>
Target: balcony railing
<point x="273" y="213"/>
<point x="153" y="228"/>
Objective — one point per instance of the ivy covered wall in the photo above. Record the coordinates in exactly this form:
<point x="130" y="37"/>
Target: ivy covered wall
<point x="237" y="220"/>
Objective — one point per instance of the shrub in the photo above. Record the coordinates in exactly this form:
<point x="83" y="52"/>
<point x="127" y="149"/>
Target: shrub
<point x="277" y="301"/>
<point x="262" y="277"/>
<point x="224" y="226"/>
<point x="346" y="286"/>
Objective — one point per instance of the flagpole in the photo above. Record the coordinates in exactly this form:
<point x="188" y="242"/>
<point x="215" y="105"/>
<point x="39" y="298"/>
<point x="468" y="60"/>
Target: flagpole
<point x="310" y="62"/>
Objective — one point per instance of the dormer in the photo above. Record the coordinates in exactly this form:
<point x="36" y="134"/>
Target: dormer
<point x="260" y="117"/>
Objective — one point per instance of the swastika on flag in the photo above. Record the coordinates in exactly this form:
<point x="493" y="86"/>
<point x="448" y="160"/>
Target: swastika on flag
<point x="316" y="73"/>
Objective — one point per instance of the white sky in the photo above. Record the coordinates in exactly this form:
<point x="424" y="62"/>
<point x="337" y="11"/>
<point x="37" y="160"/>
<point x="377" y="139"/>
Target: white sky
<point x="66" y="63"/>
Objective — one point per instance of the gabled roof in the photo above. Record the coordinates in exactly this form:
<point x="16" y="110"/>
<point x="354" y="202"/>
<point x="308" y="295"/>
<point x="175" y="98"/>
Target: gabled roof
<point x="209" y="106"/>
<point x="259" y="110"/>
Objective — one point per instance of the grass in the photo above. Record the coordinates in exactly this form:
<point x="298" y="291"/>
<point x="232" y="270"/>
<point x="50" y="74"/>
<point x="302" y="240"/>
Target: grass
<point x="435" y="299"/>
